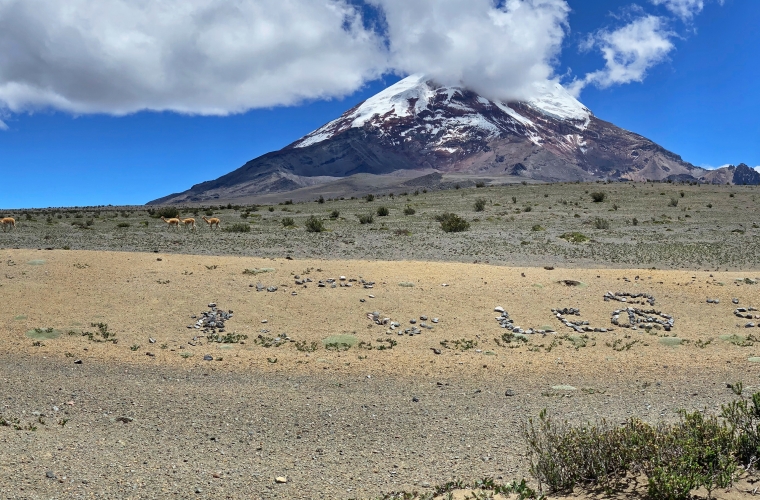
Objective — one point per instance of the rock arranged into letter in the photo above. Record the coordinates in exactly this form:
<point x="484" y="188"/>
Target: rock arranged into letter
<point x="579" y="326"/>
<point x="643" y="318"/>
<point x="745" y="313"/>
<point x="395" y="327"/>
<point x="506" y="322"/>
<point x="625" y="296"/>
<point x="212" y="320"/>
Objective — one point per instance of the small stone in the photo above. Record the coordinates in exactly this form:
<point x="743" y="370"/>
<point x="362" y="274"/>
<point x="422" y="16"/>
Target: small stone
<point x="735" y="300"/>
<point x="413" y="321"/>
<point x="509" y="393"/>
<point x="265" y="321"/>
<point x="150" y="354"/>
<point x="125" y="420"/>
<point x="415" y="399"/>
<point x="498" y="309"/>
<point x="362" y="300"/>
<point x="78" y="362"/>
<point x="281" y="480"/>
<point x="371" y="296"/>
<point x="435" y="320"/>
<point x="50" y="475"/>
<point x="212" y="305"/>
<point x="435" y="351"/>
<point x="208" y="357"/>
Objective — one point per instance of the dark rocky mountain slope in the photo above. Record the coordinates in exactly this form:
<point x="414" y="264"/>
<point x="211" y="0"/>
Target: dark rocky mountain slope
<point x="416" y="125"/>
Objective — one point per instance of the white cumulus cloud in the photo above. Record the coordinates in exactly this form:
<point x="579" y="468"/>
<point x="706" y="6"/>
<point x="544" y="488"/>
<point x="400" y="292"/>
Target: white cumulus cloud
<point x="195" y="56"/>
<point x="498" y="51"/>
<point x="629" y="52"/>
<point x="218" y="57"/>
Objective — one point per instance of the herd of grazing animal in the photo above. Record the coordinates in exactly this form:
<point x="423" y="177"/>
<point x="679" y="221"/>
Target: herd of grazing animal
<point x="10" y="223"/>
<point x="190" y="222"/>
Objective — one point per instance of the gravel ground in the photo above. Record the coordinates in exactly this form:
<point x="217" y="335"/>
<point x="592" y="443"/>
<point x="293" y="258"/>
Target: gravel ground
<point x="203" y="433"/>
<point x="638" y="225"/>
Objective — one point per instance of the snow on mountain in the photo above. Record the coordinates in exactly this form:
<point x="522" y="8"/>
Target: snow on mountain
<point x="449" y="115"/>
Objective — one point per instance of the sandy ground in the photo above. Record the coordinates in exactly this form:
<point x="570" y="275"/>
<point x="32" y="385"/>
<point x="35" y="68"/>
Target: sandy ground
<point x="337" y="424"/>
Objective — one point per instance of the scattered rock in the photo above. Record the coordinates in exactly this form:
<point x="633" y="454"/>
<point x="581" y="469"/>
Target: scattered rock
<point x="78" y="362"/>
<point x="281" y="480"/>
<point x="50" y="475"/>
<point x="125" y="420"/>
<point x="735" y="300"/>
<point x="208" y="357"/>
<point x="509" y="393"/>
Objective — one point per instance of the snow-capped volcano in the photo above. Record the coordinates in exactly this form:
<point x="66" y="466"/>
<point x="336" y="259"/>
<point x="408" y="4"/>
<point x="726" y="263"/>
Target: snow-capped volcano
<point x="418" y="125"/>
<point x="447" y="116"/>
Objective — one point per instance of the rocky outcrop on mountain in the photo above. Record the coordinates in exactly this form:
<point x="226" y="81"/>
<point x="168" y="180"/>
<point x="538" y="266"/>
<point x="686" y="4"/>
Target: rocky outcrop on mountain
<point x="419" y="125"/>
<point x="740" y="175"/>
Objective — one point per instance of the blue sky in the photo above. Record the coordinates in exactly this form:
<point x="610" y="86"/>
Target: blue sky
<point x="86" y="141"/>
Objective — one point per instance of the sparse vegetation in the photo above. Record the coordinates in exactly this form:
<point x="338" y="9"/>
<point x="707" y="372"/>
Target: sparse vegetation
<point x="288" y="222"/>
<point x="452" y="223"/>
<point x="238" y="227"/>
<point x="480" y="204"/>
<point x="314" y="225"/>
<point x="598" y="197"/>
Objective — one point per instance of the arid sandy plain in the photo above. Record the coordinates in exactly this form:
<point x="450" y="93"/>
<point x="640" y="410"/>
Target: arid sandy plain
<point x="135" y="419"/>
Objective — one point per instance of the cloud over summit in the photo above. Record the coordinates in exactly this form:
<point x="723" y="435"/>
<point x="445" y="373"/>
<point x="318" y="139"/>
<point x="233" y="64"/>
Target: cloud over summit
<point x="216" y="57"/>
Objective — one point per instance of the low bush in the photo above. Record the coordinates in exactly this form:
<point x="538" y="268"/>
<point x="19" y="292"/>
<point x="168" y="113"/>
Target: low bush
<point x="168" y="212"/>
<point x="334" y="214"/>
<point x="480" y="204"/>
<point x="598" y="197"/>
<point x="238" y="227"/>
<point x="314" y="225"/>
<point x="409" y="210"/>
<point x="699" y="451"/>
<point x="366" y="219"/>
<point x="383" y="211"/>
<point x="288" y="222"/>
<point x="452" y="223"/>
<point x="370" y="197"/>
<point x="600" y="223"/>
<point x="574" y="237"/>
<point x="673" y="202"/>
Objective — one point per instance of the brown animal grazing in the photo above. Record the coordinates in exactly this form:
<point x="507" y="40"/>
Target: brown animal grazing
<point x="172" y="222"/>
<point x="8" y="221"/>
<point x="212" y="221"/>
<point x="189" y="223"/>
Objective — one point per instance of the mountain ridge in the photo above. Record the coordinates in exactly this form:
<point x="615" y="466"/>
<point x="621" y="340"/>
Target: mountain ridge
<point x="418" y="125"/>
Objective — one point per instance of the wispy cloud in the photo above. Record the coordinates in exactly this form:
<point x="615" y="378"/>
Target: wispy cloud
<point x="685" y="9"/>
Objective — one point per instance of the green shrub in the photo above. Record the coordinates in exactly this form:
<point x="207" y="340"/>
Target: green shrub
<point x="480" y="204"/>
<point x="321" y="199"/>
<point x="370" y="197"/>
<point x="598" y="197"/>
<point x="168" y="212"/>
<point x="288" y="222"/>
<point x="383" y="211"/>
<point x="122" y="224"/>
<point x="366" y="219"/>
<point x="409" y="210"/>
<point x="527" y="209"/>
<point x="334" y="214"/>
<point x="574" y="237"/>
<point x="452" y="223"/>
<point x="314" y="225"/>
<point x="676" y="458"/>
<point x="600" y="223"/>
<point x="538" y="227"/>
<point x="238" y="227"/>
<point x="673" y="202"/>
<point x="271" y="209"/>
<point x="208" y="213"/>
